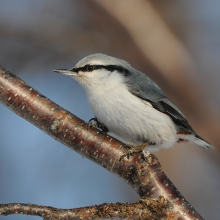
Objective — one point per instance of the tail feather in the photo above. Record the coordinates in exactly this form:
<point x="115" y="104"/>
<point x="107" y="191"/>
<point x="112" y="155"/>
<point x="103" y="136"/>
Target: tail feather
<point x="195" y="139"/>
<point x="202" y="143"/>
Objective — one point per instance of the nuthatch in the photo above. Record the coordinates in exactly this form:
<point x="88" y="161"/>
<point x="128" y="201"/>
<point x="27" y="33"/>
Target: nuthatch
<point x="130" y="105"/>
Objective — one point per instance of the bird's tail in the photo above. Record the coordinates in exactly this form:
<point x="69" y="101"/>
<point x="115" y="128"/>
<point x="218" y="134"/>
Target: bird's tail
<point x="202" y="143"/>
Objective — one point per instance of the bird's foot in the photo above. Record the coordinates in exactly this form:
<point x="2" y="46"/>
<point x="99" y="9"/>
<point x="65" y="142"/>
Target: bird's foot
<point x="133" y="149"/>
<point x="93" y="122"/>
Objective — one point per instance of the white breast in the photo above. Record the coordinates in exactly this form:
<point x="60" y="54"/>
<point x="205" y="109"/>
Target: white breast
<point x="129" y="117"/>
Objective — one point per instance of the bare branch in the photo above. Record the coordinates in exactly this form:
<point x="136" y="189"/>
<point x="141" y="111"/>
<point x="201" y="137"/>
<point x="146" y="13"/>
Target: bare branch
<point x="142" y="172"/>
<point x="153" y="209"/>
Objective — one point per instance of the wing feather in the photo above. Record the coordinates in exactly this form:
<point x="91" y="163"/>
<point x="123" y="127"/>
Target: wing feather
<point x="144" y="88"/>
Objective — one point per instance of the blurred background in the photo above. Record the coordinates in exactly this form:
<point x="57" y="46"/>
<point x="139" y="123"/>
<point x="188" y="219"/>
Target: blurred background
<point x="177" y="43"/>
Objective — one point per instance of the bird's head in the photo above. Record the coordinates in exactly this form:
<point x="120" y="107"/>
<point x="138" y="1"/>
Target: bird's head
<point x="98" y="69"/>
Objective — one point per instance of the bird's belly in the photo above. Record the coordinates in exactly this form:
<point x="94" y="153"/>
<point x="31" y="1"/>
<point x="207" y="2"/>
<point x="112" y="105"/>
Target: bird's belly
<point x="132" y="120"/>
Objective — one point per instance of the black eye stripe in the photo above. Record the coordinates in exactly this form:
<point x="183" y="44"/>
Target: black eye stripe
<point x="111" y="68"/>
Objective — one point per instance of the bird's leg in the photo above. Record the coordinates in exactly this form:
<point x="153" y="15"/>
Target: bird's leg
<point x="93" y="122"/>
<point x="134" y="149"/>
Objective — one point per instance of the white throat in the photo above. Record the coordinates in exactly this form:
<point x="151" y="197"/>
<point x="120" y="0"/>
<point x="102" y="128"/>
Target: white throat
<point x="102" y="82"/>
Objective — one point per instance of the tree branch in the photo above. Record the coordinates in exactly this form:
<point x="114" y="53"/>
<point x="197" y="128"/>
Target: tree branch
<point x="154" y="209"/>
<point x="141" y="171"/>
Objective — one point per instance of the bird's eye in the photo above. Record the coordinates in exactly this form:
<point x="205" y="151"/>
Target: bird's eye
<point x="89" y="68"/>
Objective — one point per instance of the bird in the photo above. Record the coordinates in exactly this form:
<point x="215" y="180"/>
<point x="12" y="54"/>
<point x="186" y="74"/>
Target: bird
<point x="130" y="105"/>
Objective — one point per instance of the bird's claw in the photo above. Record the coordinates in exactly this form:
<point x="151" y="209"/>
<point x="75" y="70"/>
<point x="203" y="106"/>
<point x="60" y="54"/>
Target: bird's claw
<point x="130" y="153"/>
<point x="93" y="122"/>
<point x="133" y="149"/>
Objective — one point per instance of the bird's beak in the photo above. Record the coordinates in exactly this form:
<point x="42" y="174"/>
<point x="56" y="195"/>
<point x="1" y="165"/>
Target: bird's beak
<point x="67" y="72"/>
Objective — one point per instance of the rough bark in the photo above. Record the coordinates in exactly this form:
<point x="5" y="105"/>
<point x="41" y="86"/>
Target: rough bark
<point x="141" y="171"/>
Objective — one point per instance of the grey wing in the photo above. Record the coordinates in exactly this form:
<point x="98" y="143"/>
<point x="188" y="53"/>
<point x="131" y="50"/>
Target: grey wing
<point x="144" y="88"/>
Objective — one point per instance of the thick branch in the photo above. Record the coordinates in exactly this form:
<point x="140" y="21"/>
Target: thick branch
<point x="142" y="172"/>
